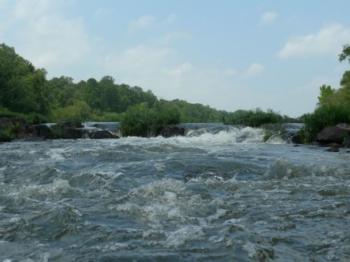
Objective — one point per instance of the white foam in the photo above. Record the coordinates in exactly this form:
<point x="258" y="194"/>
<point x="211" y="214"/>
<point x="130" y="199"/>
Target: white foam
<point x="57" y="187"/>
<point x="232" y="136"/>
<point x="168" y="200"/>
<point x="181" y="236"/>
<point x="250" y="248"/>
<point x="56" y="154"/>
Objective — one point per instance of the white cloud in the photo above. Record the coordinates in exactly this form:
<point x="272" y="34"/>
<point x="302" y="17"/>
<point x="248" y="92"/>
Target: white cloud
<point x="102" y="12"/>
<point x="27" y="9"/>
<point x="254" y="69"/>
<point x="181" y="69"/>
<point x="163" y="70"/>
<point x="328" y="40"/>
<point x="62" y="42"/>
<point x="140" y="58"/>
<point x="171" y="37"/>
<point x="231" y="72"/>
<point x="171" y="18"/>
<point x="268" y="18"/>
<point x="44" y="35"/>
<point x="142" y="22"/>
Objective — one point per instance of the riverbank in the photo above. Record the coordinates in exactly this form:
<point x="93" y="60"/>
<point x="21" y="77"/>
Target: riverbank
<point x="20" y="129"/>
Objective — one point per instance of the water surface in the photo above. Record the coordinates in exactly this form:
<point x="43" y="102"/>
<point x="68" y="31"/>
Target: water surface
<point x="222" y="195"/>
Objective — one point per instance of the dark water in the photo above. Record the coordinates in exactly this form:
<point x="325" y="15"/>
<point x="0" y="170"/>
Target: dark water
<point x="220" y="196"/>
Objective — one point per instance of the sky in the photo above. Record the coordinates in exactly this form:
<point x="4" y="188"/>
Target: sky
<point x="228" y="54"/>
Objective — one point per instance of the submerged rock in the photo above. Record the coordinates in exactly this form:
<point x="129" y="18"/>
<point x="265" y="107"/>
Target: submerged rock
<point x="101" y="134"/>
<point x="170" y="131"/>
<point x="334" y="147"/>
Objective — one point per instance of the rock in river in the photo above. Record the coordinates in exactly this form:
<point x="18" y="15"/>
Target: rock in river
<point x="333" y="134"/>
<point x="101" y="134"/>
<point x="170" y="131"/>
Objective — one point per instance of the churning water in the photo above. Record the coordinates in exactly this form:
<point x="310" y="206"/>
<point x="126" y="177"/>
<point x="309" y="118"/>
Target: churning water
<point x="209" y="196"/>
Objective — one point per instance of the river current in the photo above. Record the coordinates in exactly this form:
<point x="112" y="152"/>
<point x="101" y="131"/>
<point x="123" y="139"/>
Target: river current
<point x="222" y="195"/>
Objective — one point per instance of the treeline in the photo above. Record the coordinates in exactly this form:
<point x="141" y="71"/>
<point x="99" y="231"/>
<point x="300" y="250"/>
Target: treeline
<point x="25" y="90"/>
<point x="333" y="105"/>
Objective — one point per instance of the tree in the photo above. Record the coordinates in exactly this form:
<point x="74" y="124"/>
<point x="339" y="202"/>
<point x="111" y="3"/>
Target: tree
<point x="326" y="92"/>
<point x="345" y="54"/>
<point x="22" y="87"/>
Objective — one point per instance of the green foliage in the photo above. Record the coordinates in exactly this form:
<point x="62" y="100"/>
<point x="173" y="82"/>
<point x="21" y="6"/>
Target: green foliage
<point x="7" y="134"/>
<point x="345" y="54"/>
<point x="326" y="92"/>
<point x="195" y="113"/>
<point x="106" y="117"/>
<point x="25" y="92"/>
<point x="36" y="118"/>
<point x="253" y="118"/>
<point x="31" y="118"/>
<point x="333" y="107"/>
<point x="137" y="121"/>
<point x="10" y="125"/>
<point x="324" y="116"/>
<point x="4" y="112"/>
<point x="22" y="87"/>
<point x="78" y="111"/>
<point x="142" y="120"/>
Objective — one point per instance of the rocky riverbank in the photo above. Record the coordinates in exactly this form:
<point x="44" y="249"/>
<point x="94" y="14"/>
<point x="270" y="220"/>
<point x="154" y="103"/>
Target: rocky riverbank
<point x="12" y="128"/>
<point x="16" y="128"/>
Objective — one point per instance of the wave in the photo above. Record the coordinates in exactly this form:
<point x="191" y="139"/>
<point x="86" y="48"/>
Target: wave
<point x="205" y="137"/>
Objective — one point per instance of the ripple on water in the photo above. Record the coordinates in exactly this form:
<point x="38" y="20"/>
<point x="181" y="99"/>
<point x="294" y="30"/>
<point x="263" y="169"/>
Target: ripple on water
<point x="225" y="196"/>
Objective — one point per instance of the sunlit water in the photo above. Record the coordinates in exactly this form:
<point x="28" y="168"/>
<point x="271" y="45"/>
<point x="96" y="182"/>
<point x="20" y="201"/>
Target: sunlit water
<point x="219" y="196"/>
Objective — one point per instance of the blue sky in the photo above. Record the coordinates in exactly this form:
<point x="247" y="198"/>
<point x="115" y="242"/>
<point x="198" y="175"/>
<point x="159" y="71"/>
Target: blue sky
<point x="227" y="54"/>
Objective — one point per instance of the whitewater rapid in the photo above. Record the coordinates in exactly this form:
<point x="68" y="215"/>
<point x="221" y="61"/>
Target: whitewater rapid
<point x="217" y="194"/>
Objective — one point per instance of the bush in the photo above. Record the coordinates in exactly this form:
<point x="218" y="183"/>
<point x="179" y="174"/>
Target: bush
<point x="253" y="118"/>
<point x="141" y="120"/>
<point x="11" y="127"/>
<point x="322" y="117"/>
<point x="7" y="134"/>
<point x="107" y="117"/>
<point x="78" y="111"/>
<point x="35" y="118"/>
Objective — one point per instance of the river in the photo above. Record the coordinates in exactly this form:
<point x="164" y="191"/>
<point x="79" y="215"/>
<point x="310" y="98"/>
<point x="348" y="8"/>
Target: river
<point x="221" y="195"/>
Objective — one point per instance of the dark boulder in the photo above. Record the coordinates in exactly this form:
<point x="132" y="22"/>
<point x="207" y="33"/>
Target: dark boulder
<point x="297" y="138"/>
<point x="334" y="147"/>
<point x="43" y="131"/>
<point x="333" y="134"/>
<point x="170" y="131"/>
<point x="66" y="131"/>
<point x="101" y="134"/>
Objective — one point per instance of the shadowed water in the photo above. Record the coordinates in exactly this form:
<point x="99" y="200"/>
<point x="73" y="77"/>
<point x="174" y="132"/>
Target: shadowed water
<point x="209" y="196"/>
